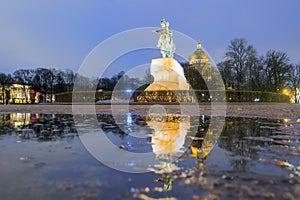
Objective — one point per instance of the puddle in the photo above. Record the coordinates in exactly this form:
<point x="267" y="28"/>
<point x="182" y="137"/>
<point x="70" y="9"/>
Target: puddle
<point x="42" y="156"/>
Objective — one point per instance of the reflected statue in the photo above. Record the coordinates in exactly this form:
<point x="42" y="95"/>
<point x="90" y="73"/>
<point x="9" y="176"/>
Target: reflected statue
<point x="175" y="136"/>
<point x="169" y="135"/>
<point x="167" y="143"/>
<point x="165" y="41"/>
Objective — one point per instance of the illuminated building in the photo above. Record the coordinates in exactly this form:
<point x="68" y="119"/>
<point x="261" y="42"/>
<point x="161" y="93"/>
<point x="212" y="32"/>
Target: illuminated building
<point x="199" y="60"/>
<point x="19" y="94"/>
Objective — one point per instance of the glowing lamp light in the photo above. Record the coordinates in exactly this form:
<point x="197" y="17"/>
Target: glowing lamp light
<point x="288" y="92"/>
<point x="256" y="100"/>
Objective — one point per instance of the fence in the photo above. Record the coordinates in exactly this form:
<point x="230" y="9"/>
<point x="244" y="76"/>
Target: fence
<point x="173" y="96"/>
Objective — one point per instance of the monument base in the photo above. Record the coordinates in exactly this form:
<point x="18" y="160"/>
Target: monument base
<point x="169" y="82"/>
<point x="168" y="75"/>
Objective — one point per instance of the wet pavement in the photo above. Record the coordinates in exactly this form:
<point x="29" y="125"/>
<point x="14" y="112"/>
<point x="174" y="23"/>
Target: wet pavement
<point x="43" y="157"/>
<point x="231" y="109"/>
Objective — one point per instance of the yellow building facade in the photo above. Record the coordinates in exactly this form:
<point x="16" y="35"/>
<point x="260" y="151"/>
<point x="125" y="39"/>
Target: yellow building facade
<point x="18" y="94"/>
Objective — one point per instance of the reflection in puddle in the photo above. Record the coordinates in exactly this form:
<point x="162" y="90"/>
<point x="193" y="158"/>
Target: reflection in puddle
<point x="41" y="155"/>
<point x="175" y="135"/>
<point x="39" y="126"/>
<point x="167" y="141"/>
<point x="19" y="119"/>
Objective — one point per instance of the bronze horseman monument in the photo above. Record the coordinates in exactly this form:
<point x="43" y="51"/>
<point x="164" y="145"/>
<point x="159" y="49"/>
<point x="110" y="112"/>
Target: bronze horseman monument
<point x="168" y="74"/>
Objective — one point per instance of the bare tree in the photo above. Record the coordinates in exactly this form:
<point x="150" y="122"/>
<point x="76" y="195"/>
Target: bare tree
<point x="51" y="76"/>
<point x="60" y="85"/>
<point x="240" y="60"/>
<point x="276" y="69"/>
<point x="5" y="80"/>
<point x="44" y="80"/>
<point x="51" y="81"/>
<point x="257" y="75"/>
<point x="148" y="78"/>
<point x="83" y="83"/>
<point x="294" y="79"/>
<point x="69" y="79"/>
<point x="253" y="68"/>
<point x="23" y="77"/>
<point x="225" y="69"/>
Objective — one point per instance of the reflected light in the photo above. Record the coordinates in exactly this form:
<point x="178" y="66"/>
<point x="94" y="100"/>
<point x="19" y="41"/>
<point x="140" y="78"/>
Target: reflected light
<point x="128" y="118"/>
<point x="203" y="118"/>
<point x="19" y="119"/>
<point x="195" y="151"/>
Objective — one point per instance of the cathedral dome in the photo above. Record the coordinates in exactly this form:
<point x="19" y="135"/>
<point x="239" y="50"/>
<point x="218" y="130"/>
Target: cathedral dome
<point x="199" y="56"/>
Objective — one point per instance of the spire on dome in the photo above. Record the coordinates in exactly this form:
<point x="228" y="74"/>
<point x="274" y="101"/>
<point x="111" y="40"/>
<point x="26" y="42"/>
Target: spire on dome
<point x="199" y="45"/>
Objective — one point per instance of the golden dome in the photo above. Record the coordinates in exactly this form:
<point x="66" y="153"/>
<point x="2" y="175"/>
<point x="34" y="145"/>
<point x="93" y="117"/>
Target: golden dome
<point x="199" y="56"/>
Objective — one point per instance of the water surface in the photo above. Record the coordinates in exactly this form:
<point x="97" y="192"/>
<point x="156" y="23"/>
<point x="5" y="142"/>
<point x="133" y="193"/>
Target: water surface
<point x="42" y="157"/>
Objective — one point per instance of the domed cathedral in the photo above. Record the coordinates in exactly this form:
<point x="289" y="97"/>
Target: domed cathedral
<point x="199" y="60"/>
<point x="198" y="71"/>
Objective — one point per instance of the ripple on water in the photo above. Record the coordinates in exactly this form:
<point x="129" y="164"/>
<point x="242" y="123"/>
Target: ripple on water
<point x="253" y="158"/>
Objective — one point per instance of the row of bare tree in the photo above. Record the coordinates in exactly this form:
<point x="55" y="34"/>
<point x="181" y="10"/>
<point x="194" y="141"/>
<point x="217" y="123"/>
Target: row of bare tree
<point x="52" y="81"/>
<point x="244" y="69"/>
<point x="44" y="80"/>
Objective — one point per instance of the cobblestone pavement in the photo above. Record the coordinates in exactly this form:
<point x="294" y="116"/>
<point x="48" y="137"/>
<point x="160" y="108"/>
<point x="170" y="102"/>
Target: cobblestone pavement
<point x="251" y="110"/>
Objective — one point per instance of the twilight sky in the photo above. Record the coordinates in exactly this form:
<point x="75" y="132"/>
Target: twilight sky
<point x="55" y="33"/>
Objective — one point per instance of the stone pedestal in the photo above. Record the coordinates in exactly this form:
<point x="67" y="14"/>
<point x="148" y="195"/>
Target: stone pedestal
<point x="169" y="84"/>
<point x="168" y="75"/>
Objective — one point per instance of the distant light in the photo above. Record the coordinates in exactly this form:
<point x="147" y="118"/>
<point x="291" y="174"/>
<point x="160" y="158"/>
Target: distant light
<point x="202" y="94"/>
<point x="202" y="118"/>
<point x="129" y="144"/>
<point x="129" y="119"/>
<point x="131" y="164"/>
<point x="129" y="90"/>
<point x="256" y="99"/>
